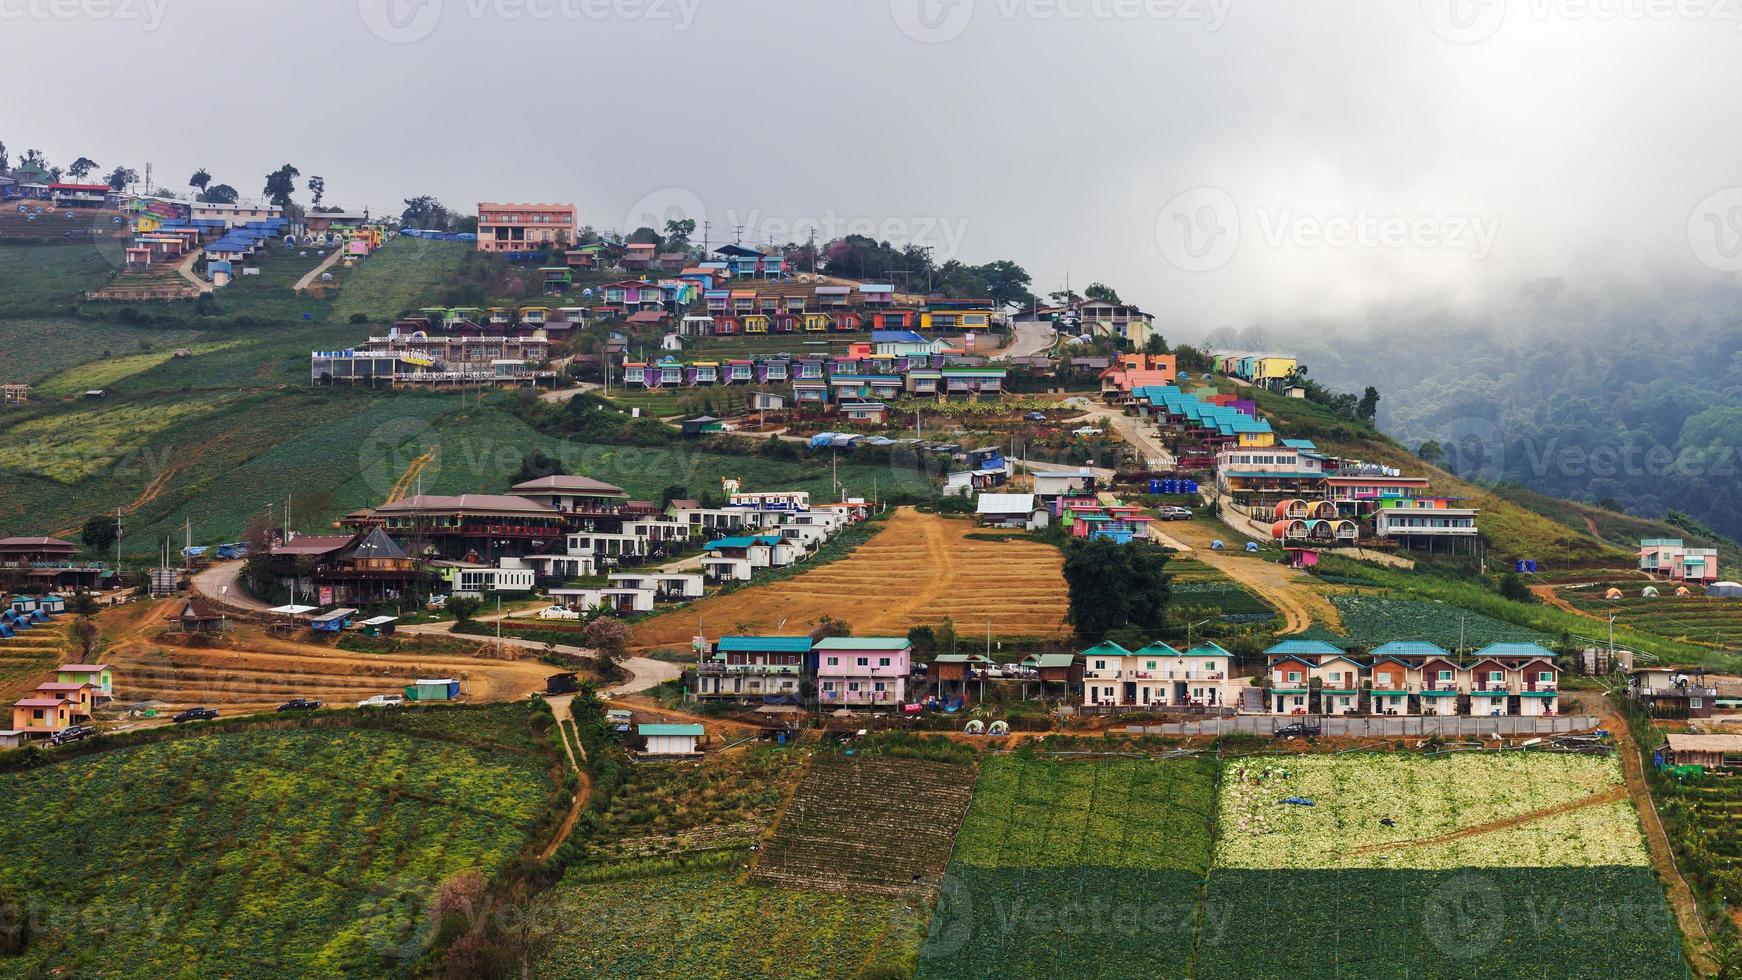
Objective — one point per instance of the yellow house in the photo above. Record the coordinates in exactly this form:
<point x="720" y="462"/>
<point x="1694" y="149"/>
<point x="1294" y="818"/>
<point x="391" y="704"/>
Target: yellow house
<point x="1270" y="368"/>
<point x="816" y="323"/>
<point x="1256" y="440"/>
<point x="756" y="323"/>
<point x="954" y="318"/>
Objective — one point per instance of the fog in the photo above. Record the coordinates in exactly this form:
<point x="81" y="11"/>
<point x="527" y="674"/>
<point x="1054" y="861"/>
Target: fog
<point x="1217" y="161"/>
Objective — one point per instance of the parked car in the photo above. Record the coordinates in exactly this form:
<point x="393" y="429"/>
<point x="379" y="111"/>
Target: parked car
<point x="1175" y="513"/>
<point x="72" y="734"/>
<point x="1299" y="729"/>
<point x="300" y="704"/>
<point x="195" y="714"/>
<point x="558" y="612"/>
<point x="383" y="701"/>
<point x="1034" y="417"/>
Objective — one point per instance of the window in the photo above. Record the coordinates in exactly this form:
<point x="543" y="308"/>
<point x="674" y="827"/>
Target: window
<point x="1100" y="665"/>
<point x="1445" y="675"/>
<point x="1545" y="677"/>
<point x="852" y="685"/>
<point x="1209" y="665"/>
<point x="1343" y="700"/>
<point x="1149" y="665"/>
<point x="834" y="661"/>
<point x="1695" y="703"/>
<point x="882" y="661"/>
<point x="1496" y="676"/>
<point x="863" y="662"/>
<point x="1294" y="676"/>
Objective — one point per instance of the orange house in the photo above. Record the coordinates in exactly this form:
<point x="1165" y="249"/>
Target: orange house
<point x="80" y="695"/>
<point x="41" y="716"/>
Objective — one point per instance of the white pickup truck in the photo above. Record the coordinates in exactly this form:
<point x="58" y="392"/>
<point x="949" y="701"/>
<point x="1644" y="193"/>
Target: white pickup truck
<point x="383" y="701"/>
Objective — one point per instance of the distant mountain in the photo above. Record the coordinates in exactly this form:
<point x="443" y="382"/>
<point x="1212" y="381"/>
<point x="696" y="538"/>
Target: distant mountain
<point x="1636" y="405"/>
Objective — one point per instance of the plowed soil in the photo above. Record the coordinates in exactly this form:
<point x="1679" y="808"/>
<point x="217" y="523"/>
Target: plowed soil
<point x="917" y="571"/>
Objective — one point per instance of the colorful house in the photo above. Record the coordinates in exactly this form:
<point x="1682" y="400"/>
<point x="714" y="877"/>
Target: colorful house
<point x="862" y="670"/>
<point x="754" y="668"/>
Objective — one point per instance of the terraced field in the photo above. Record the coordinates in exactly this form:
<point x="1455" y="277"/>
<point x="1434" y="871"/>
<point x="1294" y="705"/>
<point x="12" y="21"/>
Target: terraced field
<point x="26" y="658"/>
<point x="879" y="826"/>
<point x="1694" y="618"/>
<point x="917" y="571"/>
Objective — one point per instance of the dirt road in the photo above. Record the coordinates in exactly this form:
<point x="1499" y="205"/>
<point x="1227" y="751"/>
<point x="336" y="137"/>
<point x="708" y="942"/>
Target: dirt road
<point x="1027" y="340"/>
<point x="918" y="570"/>
<point x="219" y="581"/>
<point x="1130" y="428"/>
<point x="1294" y="594"/>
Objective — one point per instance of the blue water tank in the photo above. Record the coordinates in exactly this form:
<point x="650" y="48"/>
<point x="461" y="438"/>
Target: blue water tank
<point x="1191" y="486"/>
<point x="1154" y="486"/>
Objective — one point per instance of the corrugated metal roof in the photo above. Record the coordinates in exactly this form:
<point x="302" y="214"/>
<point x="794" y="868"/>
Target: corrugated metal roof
<point x="692" y="730"/>
<point x="862" y="643"/>
<point x="770" y="644"/>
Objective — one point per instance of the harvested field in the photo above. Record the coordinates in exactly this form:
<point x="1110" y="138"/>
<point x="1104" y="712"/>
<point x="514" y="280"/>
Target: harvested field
<point x="918" y="570"/>
<point x="883" y="826"/>
<point x="248" y="670"/>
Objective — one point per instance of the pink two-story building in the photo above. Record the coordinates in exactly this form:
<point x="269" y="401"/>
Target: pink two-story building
<point x="866" y="671"/>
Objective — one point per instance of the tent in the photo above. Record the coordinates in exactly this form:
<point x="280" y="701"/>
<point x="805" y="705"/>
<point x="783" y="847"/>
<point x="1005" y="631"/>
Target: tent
<point x="1649" y="592"/>
<point x="1681" y="590"/>
<point x="1727" y="589"/>
<point x="1612" y="594"/>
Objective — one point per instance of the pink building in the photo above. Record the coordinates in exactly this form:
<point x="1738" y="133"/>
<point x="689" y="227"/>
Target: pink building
<point x="1673" y="559"/>
<point x="526" y="227"/>
<point x="862" y="670"/>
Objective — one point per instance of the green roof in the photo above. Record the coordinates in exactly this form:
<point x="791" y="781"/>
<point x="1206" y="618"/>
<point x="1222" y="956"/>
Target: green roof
<point x="1106" y="648"/>
<point x="1055" y="660"/>
<point x="960" y="658"/>
<point x="862" y="643"/>
<point x="695" y="730"/>
<point x="1158" y="649"/>
<point x="759" y="644"/>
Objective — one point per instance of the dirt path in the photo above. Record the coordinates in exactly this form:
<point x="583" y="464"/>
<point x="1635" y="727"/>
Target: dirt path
<point x="1615" y="795"/>
<point x="1293" y="593"/>
<point x="219" y="581"/>
<point x="1548" y="594"/>
<point x="186" y="269"/>
<point x="1681" y="899"/>
<point x="327" y="263"/>
<point x="412" y="469"/>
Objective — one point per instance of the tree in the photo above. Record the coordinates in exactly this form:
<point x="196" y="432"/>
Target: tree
<point x="3" y="157"/>
<point x="675" y="491"/>
<point x="281" y="184"/>
<point x="424" y="212"/>
<point x="1431" y="452"/>
<point x="317" y="187"/>
<point x="1368" y="406"/>
<point x="99" y="532"/>
<point x="1113" y="585"/>
<point x="538" y="464"/>
<point x="120" y="177"/>
<point x="81" y="167"/>
<point x="608" y="638"/>
<point x="644" y="235"/>
<point x="464" y="607"/>
<point x="1156" y="344"/>
<point x="219" y="194"/>
<point x="826" y="626"/>
<point x="924" y="640"/>
<point x="200" y="180"/>
<point x="677" y="234"/>
<point x="1103" y="293"/>
<point x="1513" y="587"/>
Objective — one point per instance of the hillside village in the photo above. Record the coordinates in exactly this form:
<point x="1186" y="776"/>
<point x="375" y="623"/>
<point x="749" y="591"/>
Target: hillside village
<point x="601" y="569"/>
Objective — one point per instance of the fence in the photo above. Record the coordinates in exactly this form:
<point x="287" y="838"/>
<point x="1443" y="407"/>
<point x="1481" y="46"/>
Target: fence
<point x="1380" y="726"/>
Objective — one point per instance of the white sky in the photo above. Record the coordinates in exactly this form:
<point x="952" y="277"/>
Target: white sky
<point x="1573" y="138"/>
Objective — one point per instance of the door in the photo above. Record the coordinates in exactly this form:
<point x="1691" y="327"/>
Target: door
<point x="1130" y="692"/>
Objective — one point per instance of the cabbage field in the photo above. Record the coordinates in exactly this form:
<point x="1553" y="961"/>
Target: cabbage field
<point x="255" y="854"/>
<point x="1369" y="620"/>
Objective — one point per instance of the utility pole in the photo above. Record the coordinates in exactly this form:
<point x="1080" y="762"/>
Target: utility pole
<point x="706" y="224"/>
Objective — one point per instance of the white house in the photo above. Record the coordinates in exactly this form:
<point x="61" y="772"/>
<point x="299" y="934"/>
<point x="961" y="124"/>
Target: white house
<point x="670" y="740"/>
<point x="1011" y="510"/>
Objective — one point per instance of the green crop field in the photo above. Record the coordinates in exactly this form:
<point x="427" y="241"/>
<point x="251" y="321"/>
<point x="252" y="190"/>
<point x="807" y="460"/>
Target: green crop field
<point x="402" y="275"/>
<point x="1404" y="865"/>
<point x="1078" y="868"/>
<point x="1370" y="620"/>
<point x="1199" y="591"/>
<point x="708" y="925"/>
<point x="43" y="279"/>
<point x="307" y="852"/>
<point x="33" y="350"/>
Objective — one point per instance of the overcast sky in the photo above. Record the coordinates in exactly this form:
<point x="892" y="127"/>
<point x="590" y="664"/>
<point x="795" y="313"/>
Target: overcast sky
<point x="1217" y="161"/>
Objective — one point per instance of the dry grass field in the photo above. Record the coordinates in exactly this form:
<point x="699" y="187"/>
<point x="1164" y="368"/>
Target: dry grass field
<point x="917" y="571"/>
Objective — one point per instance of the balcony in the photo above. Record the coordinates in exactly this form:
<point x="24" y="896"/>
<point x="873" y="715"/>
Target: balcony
<point x="715" y="667"/>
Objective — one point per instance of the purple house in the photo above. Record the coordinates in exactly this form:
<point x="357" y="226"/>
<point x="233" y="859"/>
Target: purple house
<point x="862" y="670"/>
<point x="773" y="369"/>
<point x="809" y="369"/>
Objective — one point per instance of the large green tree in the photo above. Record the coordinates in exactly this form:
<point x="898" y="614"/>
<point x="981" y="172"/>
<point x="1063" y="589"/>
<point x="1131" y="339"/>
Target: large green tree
<point x="1114" y="585"/>
<point x="281" y="184"/>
